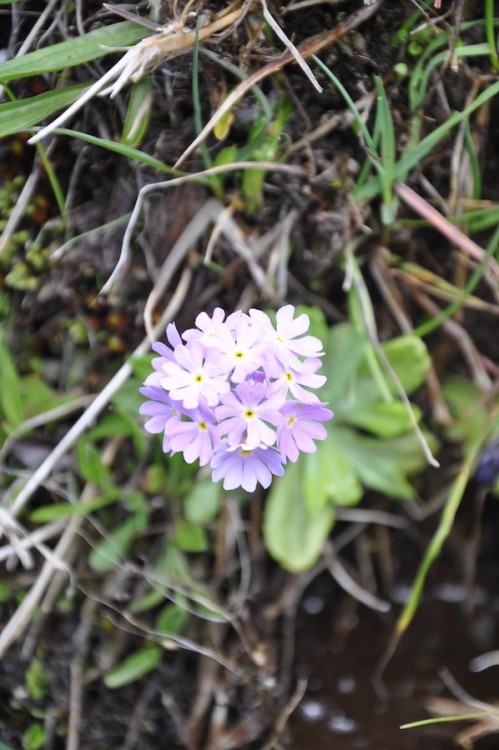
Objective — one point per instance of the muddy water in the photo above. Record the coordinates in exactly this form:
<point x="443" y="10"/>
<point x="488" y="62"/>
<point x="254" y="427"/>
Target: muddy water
<point x="344" y="708"/>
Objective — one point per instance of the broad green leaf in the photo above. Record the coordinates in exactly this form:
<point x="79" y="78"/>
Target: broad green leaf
<point x="409" y="358"/>
<point x="38" y="397"/>
<point x="315" y="480"/>
<point x="343" y="485"/>
<point x="294" y="536"/>
<point x="202" y="504"/>
<point x="382" y="419"/>
<point x="24" y="113"/>
<point x="328" y="475"/>
<point x="134" y="667"/>
<point x="344" y="352"/>
<point x="81" y="49"/>
<point x="171" y="619"/>
<point x="112" y="549"/>
<point x="466" y="404"/>
<point x="375" y="465"/>
<point x="190" y="537"/>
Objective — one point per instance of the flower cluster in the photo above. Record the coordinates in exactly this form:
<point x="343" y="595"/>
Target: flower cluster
<point x="234" y="393"/>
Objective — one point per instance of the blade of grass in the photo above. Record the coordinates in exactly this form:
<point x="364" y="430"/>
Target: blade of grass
<point x="214" y="180"/>
<point x="350" y="104"/>
<point x="471" y="50"/>
<point x="54" y="182"/>
<point x="413" y="157"/>
<point x="387" y="143"/>
<point x="444" y="719"/>
<point x="490" y="32"/>
<point x="440" y="536"/>
<point x="73" y="52"/>
<point x="122" y="149"/>
<point x="19" y="115"/>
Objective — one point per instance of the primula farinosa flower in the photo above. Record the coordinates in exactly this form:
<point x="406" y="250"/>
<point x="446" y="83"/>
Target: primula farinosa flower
<point x="191" y="376"/>
<point x="245" y="413"/>
<point x="237" y="393"/>
<point x="195" y="436"/>
<point x="300" y="426"/>
<point x="245" y="467"/>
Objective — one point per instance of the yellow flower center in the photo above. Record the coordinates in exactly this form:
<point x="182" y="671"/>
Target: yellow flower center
<point x="249" y="414"/>
<point x="239" y="355"/>
<point x="202" y="425"/>
<point x="291" y="421"/>
<point x="245" y="452"/>
<point x="198" y="378"/>
<point x="289" y="376"/>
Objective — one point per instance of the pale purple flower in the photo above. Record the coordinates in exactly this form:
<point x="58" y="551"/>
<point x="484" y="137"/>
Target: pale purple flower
<point x="196" y="437"/>
<point x="244" y="467"/>
<point x="244" y="413"/>
<point x="165" y="352"/>
<point x="290" y="379"/>
<point x="192" y="376"/>
<point x="299" y="428"/>
<point x="161" y="409"/>
<point x="222" y="394"/>
<point x="285" y="342"/>
<point x="206" y="328"/>
<point x="239" y="348"/>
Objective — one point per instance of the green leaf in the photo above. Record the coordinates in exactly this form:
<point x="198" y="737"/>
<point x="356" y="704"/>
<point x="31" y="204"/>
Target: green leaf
<point x="344" y="352"/>
<point x="90" y="463"/>
<point x="81" y="49"/>
<point x="190" y="537"/>
<point x="466" y="404"/>
<point x="202" y="504"/>
<point x="36" y="680"/>
<point x="138" y="113"/>
<point x="38" y="397"/>
<point x="134" y="667"/>
<point x="294" y="536"/>
<point x="376" y="465"/>
<point x="109" y="552"/>
<point x="416" y="153"/>
<point x="409" y="358"/>
<point x="315" y="475"/>
<point x="382" y="419"/>
<point x="343" y="485"/>
<point x="171" y="619"/>
<point x="24" y="113"/>
<point x="11" y="403"/>
<point x="127" y="151"/>
<point x="328" y="476"/>
<point x="55" y="511"/>
<point x="34" y="737"/>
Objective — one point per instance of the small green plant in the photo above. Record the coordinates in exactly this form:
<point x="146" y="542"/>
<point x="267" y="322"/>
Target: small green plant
<point x="371" y="444"/>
